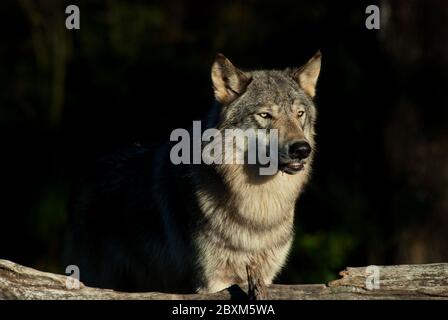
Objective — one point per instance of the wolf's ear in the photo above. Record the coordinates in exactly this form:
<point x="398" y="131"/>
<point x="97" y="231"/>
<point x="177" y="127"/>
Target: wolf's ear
<point x="306" y="76"/>
<point x="228" y="81"/>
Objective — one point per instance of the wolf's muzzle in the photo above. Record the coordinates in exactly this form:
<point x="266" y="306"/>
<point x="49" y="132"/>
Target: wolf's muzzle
<point x="293" y="160"/>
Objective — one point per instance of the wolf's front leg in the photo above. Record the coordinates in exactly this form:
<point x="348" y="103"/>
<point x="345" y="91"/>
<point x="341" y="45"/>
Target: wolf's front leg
<point x="256" y="284"/>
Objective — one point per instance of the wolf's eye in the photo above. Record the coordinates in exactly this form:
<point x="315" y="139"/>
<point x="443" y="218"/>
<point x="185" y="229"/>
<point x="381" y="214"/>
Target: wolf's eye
<point x="265" y="115"/>
<point x="300" y="113"/>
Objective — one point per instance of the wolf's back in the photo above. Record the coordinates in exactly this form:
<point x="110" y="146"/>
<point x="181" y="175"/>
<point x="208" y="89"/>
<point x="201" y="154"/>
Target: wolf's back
<point x="125" y="230"/>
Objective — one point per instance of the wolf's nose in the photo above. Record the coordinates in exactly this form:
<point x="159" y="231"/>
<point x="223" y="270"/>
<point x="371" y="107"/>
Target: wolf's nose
<point x="300" y="150"/>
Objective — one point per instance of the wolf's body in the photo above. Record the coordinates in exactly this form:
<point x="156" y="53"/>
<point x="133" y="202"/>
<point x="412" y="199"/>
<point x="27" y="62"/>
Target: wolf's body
<point x="143" y="223"/>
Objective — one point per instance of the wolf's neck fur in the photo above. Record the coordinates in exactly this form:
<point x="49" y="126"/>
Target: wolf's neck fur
<point x="259" y="202"/>
<point x="263" y="200"/>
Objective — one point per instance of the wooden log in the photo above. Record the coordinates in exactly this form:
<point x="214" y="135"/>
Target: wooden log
<point x="425" y="281"/>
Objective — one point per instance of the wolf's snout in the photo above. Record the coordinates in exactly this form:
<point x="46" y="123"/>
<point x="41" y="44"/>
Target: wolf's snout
<point x="299" y="150"/>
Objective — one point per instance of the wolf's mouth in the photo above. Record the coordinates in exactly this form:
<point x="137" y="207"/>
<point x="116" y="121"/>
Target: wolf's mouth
<point x="292" y="167"/>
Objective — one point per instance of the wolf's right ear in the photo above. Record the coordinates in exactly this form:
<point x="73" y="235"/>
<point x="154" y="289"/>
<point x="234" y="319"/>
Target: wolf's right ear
<point x="228" y="81"/>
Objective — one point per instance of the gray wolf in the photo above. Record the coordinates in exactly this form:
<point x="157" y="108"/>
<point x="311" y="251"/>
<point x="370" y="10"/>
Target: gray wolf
<point x="140" y="222"/>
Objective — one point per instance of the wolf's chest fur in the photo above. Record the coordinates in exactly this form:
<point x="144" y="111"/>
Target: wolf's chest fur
<point x="250" y="223"/>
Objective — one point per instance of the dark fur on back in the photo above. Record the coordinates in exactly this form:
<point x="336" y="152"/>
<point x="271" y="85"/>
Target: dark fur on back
<point x="116" y="233"/>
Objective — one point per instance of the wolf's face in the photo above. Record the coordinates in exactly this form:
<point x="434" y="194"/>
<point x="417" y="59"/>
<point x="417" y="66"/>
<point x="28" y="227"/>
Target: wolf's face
<point x="271" y="99"/>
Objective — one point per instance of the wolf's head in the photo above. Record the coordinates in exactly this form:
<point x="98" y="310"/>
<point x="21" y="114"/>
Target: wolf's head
<point x="271" y="99"/>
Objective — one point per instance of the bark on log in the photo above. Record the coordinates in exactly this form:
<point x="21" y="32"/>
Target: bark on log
<point x="425" y="281"/>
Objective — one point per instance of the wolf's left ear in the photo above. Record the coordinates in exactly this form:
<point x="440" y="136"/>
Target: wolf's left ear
<point x="306" y="76"/>
<point x="228" y="81"/>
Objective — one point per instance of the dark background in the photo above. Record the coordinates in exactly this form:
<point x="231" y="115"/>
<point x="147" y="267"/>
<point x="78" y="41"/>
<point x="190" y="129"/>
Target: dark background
<point x="137" y="69"/>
